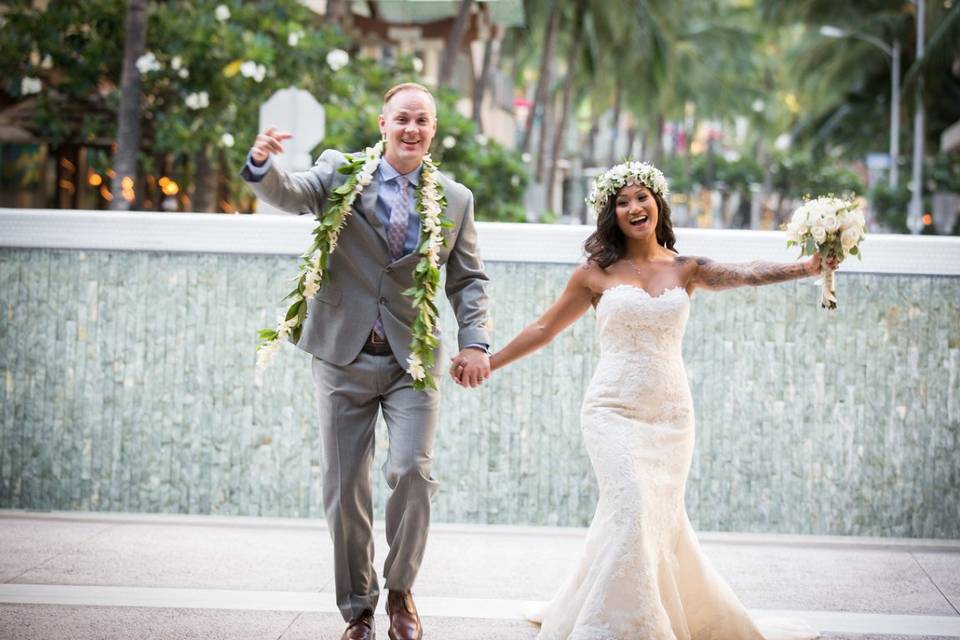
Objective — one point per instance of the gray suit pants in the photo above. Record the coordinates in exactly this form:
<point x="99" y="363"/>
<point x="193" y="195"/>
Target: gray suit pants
<point x="349" y="397"/>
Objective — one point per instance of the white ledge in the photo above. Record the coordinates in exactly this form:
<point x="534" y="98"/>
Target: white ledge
<point x="499" y="241"/>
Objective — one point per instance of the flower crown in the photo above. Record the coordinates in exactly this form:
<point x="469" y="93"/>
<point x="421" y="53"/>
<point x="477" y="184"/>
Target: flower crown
<point x="621" y="175"/>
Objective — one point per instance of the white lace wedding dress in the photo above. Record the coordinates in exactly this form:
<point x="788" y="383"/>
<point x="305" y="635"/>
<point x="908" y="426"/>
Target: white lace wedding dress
<point x="642" y="575"/>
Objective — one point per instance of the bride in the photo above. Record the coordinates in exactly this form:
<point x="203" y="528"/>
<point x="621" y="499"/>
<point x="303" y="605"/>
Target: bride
<point x="642" y="574"/>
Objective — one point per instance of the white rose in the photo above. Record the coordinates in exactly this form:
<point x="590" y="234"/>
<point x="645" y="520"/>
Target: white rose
<point x="449" y="142"/>
<point x="222" y="13"/>
<point x="818" y="232"/>
<point x="831" y="223"/>
<point x="227" y="140"/>
<point x="793" y="233"/>
<point x="799" y="216"/>
<point x="849" y="238"/>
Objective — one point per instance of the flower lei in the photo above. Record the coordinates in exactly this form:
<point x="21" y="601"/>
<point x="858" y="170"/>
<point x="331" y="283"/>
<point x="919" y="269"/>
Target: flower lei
<point x="618" y="176"/>
<point x="313" y="265"/>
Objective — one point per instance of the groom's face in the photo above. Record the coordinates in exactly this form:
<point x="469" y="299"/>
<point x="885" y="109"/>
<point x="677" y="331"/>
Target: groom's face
<point x="408" y="122"/>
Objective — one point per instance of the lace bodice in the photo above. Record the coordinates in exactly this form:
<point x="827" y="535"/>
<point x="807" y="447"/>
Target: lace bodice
<point x="631" y="320"/>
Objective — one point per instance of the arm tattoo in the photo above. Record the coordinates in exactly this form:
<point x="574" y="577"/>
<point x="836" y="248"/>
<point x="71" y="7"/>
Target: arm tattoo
<point x="716" y="275"/>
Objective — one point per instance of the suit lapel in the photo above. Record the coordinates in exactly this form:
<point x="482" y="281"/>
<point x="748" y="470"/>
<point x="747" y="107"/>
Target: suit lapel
<point x="368" y="207"/>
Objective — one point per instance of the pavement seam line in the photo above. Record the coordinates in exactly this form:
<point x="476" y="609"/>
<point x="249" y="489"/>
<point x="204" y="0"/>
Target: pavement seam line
<point x="934" y="583"/>
<point x="287" y="628"/>
<point x="62" y="553"/>
<point x="829" y="622"/>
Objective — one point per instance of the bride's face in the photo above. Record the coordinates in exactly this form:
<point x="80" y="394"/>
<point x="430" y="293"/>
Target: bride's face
<point x="637" y="213"/>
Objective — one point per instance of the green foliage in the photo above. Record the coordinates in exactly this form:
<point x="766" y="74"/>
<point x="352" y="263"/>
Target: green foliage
<point x="496" y="175"/>
<point x="76" y="51"/>
<point x="798" y="175"/>
<point x="890" y="207"/>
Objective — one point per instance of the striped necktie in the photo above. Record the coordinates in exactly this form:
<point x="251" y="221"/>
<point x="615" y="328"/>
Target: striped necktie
<point x="396" y="233"/>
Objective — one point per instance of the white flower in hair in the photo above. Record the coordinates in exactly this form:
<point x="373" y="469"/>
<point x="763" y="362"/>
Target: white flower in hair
<point x="621" y="175"/>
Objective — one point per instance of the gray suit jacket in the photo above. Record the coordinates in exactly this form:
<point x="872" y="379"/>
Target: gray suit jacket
<point x="362" y="278"/>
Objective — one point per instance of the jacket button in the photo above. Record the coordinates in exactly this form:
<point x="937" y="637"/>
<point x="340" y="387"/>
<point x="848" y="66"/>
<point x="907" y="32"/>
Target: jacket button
<point x="383" y="301"/>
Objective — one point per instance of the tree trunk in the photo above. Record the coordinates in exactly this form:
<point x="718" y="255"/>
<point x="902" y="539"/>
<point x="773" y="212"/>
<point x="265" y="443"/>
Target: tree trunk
<point x="454" y="39"/>
<point x="546" y="125"/>
<point x="543" y="80"/>
<point x="67" y="181"/>
<point x="631" y="138"/>
<point x="615" y="126"/>
<point x="336" y="11"/>
<point x="568" y="87"/>
<point x="128" y="121"/>
<point x="658" y="139"/>
<point x="592" y="143"/>
<point x="205" y="191"/>
<point x="480" y="86"/>
<point x="41" y="196"/>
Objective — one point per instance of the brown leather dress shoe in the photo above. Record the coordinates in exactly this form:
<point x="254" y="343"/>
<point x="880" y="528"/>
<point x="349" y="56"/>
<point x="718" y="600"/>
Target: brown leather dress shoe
<point x="360" y="628"/>
<point x="404" y="619"/>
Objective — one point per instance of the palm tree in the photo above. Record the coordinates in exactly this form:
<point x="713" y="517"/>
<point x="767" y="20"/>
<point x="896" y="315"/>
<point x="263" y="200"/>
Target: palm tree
<point x="454" y="42"/>
<point x="128" y="122"/>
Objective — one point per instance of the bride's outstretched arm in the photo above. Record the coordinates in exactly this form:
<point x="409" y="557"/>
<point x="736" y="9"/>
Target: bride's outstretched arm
<point x="572" y="303"/>
<point x="708" y="274"/>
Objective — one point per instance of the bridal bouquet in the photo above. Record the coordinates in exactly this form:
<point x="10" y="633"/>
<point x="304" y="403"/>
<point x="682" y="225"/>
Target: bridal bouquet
<point x="833" y="226"/>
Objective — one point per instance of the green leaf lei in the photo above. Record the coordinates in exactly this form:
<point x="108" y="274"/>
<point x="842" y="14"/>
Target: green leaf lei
<point x="314" y="261"/>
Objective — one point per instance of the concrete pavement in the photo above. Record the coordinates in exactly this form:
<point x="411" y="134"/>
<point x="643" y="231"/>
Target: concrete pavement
<point x="86" y="575"/>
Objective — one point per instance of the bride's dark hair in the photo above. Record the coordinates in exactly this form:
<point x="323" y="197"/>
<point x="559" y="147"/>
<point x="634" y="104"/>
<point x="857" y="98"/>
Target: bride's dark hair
<point x="606" y="245"/>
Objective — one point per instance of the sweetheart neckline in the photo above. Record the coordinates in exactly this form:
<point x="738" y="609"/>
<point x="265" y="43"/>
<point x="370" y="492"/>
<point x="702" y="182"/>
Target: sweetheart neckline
<point x="626" y="285"/>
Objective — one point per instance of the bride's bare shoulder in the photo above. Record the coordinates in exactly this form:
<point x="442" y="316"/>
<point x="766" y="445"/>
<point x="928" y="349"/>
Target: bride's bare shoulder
<point x="589" y="275"/>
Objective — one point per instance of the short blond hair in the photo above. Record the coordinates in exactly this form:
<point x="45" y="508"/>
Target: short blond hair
<point x="403" y="86"/>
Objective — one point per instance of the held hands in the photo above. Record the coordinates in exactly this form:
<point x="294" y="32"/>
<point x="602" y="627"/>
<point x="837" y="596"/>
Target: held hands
<point x="815" y="264"/>
<point x="270" y="141"/>
<point x="470" y="368"/>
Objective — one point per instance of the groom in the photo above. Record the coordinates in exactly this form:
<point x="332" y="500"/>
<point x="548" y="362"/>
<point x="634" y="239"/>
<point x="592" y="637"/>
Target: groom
<point x="358" y="329"/>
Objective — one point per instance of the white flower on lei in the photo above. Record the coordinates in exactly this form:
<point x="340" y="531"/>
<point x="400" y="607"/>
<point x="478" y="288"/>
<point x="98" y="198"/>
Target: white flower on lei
<point x="415" y="367"/>
<point x="311" y="276"/>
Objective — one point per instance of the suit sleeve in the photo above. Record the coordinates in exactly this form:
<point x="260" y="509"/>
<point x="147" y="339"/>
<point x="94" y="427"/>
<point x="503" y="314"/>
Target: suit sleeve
<point x="300" y="192"/>
<point x="466" y="285"/>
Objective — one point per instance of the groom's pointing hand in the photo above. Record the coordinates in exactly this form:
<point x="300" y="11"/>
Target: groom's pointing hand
<point x="270" y="141"/>
<point x="470" y="368"/>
